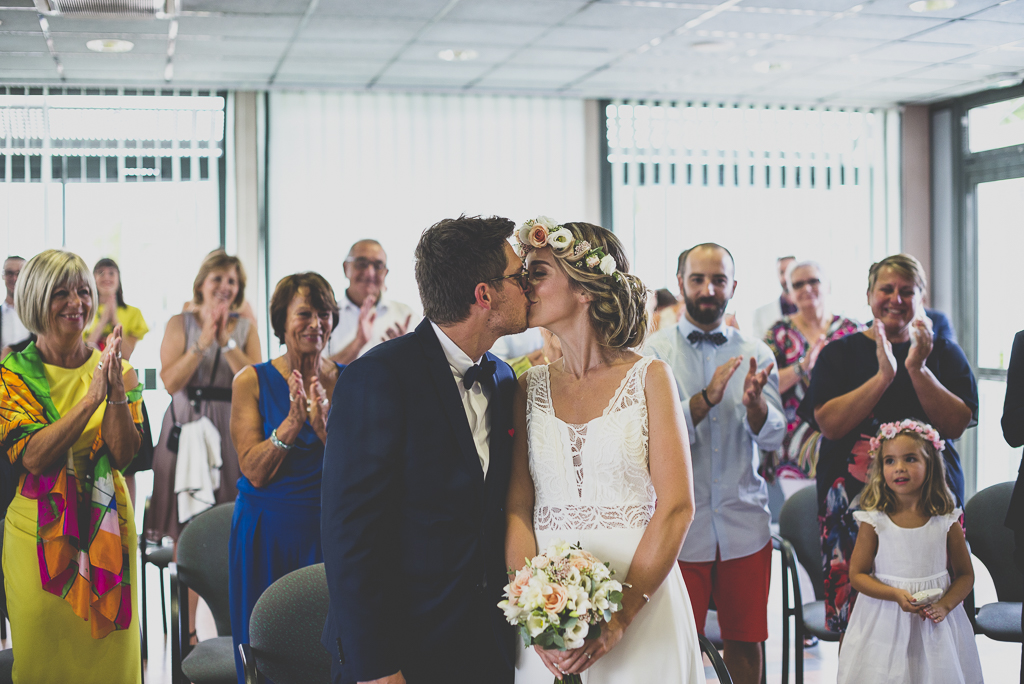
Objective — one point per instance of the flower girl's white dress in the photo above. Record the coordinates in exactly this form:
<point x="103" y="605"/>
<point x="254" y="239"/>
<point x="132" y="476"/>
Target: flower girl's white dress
<point x="883" y="644"/>
<point x="593" y="486"/>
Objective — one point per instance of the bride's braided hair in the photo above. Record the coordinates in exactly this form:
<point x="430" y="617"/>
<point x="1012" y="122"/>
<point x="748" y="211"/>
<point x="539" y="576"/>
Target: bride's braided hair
<point x="618" y="311"/>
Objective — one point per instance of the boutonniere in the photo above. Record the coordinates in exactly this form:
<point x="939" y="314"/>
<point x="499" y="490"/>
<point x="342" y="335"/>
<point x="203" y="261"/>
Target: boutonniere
<point x="511" y="432"/>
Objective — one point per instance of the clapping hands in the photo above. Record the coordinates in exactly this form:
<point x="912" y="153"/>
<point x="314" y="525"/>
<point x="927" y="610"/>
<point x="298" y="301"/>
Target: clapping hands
<point x="754" y="383"/>
<point x="107" y="381"/>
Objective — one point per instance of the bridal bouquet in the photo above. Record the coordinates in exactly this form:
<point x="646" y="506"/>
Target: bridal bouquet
<point x="561" y="597"/>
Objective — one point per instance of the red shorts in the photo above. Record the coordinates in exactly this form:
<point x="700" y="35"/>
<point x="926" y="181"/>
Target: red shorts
<point x="740" y="588"/>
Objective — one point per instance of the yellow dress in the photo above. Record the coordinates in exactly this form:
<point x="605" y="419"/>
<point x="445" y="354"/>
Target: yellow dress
<point x="51" y="644"/>
<point x="130" y="318"/>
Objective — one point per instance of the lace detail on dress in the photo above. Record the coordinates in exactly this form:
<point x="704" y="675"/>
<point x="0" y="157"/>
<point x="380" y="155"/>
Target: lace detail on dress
<point x="595" y="475"/>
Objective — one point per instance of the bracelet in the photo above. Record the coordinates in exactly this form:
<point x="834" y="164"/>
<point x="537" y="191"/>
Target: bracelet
<point x="117" y="403"/>
<point x="704" y="393"/>
<point x="196" y="349"/>
<point x="646" y="597"/>
<point x="277" y="442"/>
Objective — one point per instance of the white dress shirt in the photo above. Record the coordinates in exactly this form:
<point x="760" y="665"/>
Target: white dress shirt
<point x="474" y="400"/>
<point x="11" y="327"/>
<point x="389" y="314"/>
<point x="731" y="499"/>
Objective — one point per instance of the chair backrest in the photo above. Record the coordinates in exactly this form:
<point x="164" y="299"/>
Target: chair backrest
<point x="992" y="542"/>
<point x="708" y="649"/>
<point x="798" y="524"/>
<point x="285" y="628"/>
<point x="203" y="560"/>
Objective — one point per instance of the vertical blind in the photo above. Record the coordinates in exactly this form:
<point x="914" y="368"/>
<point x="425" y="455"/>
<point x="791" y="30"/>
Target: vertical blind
<point x="764" y="182"/>
<point x="347" y="166"/>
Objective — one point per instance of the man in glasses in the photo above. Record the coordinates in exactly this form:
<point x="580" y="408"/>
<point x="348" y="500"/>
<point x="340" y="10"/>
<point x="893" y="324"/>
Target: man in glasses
<point x="367" y="317"/>
<point x="12" y="332"/>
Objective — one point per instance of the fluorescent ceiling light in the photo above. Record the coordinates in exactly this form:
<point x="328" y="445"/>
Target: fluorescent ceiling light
<point x="712" y="45"/>
<point x="931" y="5"/>
<point x="457" y="55"/>
<point x="110" y="45"/>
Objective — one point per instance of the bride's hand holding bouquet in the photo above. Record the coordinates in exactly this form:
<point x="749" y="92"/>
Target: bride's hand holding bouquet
<point x="559" y="601"/>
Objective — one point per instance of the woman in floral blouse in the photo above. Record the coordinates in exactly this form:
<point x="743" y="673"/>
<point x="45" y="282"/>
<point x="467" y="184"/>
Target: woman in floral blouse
<point x="796" y="341"/>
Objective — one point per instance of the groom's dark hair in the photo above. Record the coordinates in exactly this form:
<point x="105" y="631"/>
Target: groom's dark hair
<point x="453" y="257"/>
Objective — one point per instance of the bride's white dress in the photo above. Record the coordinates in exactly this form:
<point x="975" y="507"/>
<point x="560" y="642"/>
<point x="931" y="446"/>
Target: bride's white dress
<point x="593" y="486"/>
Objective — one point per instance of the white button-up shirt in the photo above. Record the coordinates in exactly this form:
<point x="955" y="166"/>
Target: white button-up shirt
<point x="474" y="400"/>
<point x="389" y="313"/>
<point x="731" y="499"/>
<point x="11" y="327"/>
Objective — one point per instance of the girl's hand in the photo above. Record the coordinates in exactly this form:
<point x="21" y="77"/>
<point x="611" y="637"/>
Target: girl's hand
<point x="883" y="350"/>
<point x="936" y="612"/>
<point x="319" y="406"/>
<point x="581" y="658"/>
<point x="906" y="601"/>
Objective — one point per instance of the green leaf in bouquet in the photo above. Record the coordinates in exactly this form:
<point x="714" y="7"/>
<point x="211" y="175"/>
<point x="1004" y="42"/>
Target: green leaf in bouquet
<point x="615" y="596"/>
<point x="595" y="631"/>
<point x="607" y="615"/>
<point x="569" y="621"/>
<point x="558" y="642"/>
<point x="544" y="639"/>
<point x="523" y="632"/>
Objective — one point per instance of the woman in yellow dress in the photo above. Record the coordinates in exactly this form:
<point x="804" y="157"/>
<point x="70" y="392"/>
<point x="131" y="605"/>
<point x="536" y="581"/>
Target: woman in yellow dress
<point x="112" y="311"/>
<point x="70" y="421"/>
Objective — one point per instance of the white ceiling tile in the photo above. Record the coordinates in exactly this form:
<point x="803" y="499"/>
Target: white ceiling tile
<point x="959" y="71"/>
<point x="875" y="27"/>
<point x="351" y="70"/>
<point x="436" y="71"/>
<point x="249" y="7"/>
<point x="969" y="32"/>
<point x="237" y="47"/>
<point x="454" y="33"/>
<point x="18" y="21"/>
<point x="16" y="43"/>
<point x="519" y="12"/>
<point x="962" y="8"/>
<point x="914" y="51"/>
<point x="520" y="76"/>
<point x="388" y="9"/>
<point x="1000" y="57"/>
<point x="333" y="28"/>
<point x="233" y="64"/>
<point x="822" y="48"/>
<point x="911" y="86"/>
<point x="599" y="38"/>
<point x="40" y="61"/>
<point x="817" y="5"/>
<point x="684" y="45"/>
<point x="746" y="22"/>
<point x="248" y="26"/>
<point x="1011" y="12"/>
<point x="488" y="53"/>
<point x="865" y="69"/>
<point x="427" y="82"/>
<point x="661" y="19"/>
<point x="326" y="49"/>
<point x="535" y="56"/>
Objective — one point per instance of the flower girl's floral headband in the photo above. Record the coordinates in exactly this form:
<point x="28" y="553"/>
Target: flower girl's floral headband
<point x="544" y="232"/>
<point x="890" y="430"/>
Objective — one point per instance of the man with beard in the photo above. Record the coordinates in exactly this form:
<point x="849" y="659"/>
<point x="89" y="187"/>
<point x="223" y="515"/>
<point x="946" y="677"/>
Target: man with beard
<point x="727" y="552"/>
<point x="416" y="470"/>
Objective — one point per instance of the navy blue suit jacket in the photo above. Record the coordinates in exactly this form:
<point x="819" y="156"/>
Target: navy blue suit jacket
<point x="941" y="327"/>
<point x="413" y="535"/>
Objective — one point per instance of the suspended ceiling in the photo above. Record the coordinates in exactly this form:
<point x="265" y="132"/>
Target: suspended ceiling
<point x="832" y="52"/>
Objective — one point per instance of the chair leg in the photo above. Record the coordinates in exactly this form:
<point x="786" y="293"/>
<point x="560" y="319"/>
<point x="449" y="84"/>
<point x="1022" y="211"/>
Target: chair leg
<point x="163" y="603"/>
<point x="764" y="663"/>
<point x="798" y="650"/>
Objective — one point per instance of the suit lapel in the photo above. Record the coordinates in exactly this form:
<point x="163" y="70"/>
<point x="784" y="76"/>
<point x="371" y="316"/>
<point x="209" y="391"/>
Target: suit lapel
<point x="499" y="410"/>
<point x="448" y="392"/>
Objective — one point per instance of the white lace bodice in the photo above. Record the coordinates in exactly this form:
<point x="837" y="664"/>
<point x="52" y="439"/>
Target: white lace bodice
<point x="595" y="475"/>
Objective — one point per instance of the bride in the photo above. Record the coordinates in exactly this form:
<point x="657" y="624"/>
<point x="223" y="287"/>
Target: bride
<point x="599" y="440"/>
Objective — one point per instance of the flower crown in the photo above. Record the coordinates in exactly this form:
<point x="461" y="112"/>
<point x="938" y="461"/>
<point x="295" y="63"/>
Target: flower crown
<point x="889" y="431"/>
<point x="544" y="232"/>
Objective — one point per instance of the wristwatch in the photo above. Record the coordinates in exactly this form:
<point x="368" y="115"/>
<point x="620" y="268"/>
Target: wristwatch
<point x="229" y="346"/>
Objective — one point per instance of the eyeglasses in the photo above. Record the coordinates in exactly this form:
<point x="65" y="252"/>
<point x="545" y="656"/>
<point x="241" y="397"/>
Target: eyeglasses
<point x="810" y="282"/>
<point x="11" y="274"/>
<point x="362" y="263"/>
<point x="522" y="277"/>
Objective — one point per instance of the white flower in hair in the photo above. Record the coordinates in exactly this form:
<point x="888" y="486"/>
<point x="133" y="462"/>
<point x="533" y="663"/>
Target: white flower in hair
<point x="548" y="223"/>
<point x="560" y="239"/>
<point x="608" y="264"/>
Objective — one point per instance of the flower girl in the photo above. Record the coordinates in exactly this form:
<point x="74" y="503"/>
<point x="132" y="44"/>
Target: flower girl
<point x="908" y="624"/>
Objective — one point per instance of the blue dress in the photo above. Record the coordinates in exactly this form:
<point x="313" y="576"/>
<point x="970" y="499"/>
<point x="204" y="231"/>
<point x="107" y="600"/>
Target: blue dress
<point x="275" y="529"/>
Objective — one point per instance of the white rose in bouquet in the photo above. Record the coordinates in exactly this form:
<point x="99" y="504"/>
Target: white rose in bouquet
<point x="535" y="624"/>
<point x="575" y="634"/>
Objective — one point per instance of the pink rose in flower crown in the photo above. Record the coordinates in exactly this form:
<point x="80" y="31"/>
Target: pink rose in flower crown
<point x="538" y="236"/>
<point x="516" y="586"/>
<point x="555" y="597"/>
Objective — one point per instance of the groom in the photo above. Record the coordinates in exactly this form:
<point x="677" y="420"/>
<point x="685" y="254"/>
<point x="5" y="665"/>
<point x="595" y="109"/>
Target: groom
<point x="416" y="470"/>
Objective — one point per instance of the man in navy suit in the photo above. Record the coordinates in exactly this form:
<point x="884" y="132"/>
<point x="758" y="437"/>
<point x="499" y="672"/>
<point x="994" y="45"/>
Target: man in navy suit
<point x="416" y="471"/>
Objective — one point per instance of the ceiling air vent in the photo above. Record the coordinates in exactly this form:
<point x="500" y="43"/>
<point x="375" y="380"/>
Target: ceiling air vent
<point x="157" y="9"/>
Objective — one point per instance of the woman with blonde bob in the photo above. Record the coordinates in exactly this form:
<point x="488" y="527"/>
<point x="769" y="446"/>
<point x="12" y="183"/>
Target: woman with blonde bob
<point x="599" y="436"/>
<point x="71" y="421"/>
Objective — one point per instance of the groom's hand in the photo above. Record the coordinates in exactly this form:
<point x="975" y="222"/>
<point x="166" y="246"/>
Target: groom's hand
<point x="396" y="678"/>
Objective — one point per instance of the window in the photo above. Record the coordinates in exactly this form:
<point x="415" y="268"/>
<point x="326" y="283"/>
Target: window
<point x="1000" y="124"/>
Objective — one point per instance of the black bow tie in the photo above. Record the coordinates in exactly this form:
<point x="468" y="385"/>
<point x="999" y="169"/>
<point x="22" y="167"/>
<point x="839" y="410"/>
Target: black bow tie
<point x="478" y="373"/>
<point x="715" y="338"/>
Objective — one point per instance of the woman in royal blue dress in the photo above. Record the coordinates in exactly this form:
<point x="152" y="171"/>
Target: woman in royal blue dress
<point x="279" y="425"/>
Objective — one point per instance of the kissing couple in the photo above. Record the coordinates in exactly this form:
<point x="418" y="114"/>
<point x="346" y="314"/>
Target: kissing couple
<point x="443" y="472"/>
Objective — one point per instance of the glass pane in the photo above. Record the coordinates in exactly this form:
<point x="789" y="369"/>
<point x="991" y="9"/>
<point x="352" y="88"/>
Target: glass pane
<point x="995" y="125"/>
<point x="997" y="462"/>
<point x="1000" y="244"/>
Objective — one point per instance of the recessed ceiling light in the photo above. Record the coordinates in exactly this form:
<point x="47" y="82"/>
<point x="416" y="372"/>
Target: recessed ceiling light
<point x="457" y="55"/>
<point x="931" y="5"/>
<point x="771" y="67"/>
<point x="110" y="45"/>
<point x="712" y="45"/>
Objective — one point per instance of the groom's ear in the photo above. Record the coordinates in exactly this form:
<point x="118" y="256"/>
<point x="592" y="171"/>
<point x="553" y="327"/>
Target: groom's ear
<point x="484" y="296"/>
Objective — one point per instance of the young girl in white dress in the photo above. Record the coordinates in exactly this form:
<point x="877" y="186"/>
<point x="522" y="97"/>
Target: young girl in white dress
<point x="599" y="439"/>
<point x="909" y="535"/>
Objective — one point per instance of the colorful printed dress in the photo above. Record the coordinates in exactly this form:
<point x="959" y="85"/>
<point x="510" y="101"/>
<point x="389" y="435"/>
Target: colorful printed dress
<point x="69" y="536"/>
<point x="798" y="457"/>
<point x="842" y="367"/>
